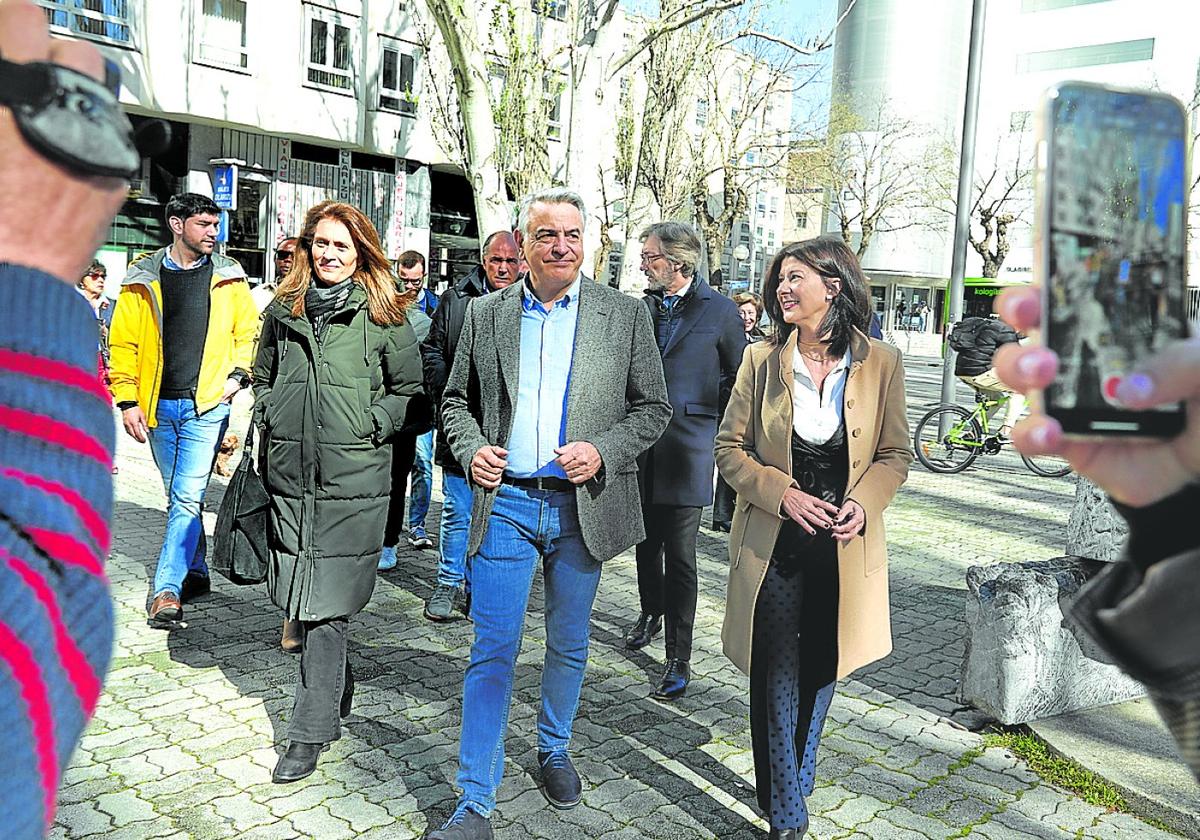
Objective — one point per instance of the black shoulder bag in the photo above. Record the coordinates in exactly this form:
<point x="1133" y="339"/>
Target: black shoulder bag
<point x="240" y="537"/>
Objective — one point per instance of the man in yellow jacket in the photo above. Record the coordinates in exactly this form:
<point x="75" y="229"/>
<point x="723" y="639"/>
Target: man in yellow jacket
<point x="182" y="345"/>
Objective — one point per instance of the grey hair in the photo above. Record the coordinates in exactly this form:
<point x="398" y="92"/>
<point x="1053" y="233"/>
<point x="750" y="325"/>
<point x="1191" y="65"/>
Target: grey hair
<point x="680" y="244"/>
<point x="553" y="195"/>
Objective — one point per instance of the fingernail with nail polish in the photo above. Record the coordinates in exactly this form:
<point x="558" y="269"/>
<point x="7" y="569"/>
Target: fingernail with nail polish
<point x="1135" y="389"/>
<point x="1029" y="365"/>
<point x="1039" y="436"/>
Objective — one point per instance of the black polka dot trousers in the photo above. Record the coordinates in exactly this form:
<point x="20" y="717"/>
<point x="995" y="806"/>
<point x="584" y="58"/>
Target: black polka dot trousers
<point x="793" y="668"/>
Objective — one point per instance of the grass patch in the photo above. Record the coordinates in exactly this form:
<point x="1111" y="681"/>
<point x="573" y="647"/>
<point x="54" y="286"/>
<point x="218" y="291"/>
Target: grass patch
<point x="1058" y="770"/>
<point x="1065" y="773"/>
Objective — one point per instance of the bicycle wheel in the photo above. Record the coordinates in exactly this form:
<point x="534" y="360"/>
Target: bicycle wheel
<point x="1050" y="466"/>
<point x="954" y="451"/>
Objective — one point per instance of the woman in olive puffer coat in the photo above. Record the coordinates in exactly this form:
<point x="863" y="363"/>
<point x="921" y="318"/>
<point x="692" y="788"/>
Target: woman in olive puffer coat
<point x="337" y="364"/>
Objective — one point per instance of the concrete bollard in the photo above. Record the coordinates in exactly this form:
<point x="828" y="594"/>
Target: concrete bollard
<point x="1022" y="662"/>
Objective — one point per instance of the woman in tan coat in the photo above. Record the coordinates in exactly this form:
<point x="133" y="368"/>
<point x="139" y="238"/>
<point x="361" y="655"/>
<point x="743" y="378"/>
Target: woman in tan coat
<point x="815" y="443"/>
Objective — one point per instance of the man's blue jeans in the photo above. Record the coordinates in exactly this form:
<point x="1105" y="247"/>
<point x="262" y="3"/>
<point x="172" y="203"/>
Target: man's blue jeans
<point x="454" y="529"/>
<point x="422" y="482"/>
<point x="526" y="526"/>
<point x="184" y="445"/>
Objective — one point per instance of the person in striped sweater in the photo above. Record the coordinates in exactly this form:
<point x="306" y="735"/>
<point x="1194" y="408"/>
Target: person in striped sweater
<point x="57" y="439"/>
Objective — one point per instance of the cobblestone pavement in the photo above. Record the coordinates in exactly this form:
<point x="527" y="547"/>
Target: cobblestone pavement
<point x="191" y="722"/>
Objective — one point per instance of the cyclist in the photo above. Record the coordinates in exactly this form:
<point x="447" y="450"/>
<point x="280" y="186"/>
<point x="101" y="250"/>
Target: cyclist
<point x="976" y="339"/>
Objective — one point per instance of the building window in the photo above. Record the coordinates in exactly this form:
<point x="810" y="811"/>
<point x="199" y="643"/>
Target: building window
<point x="701" y="113"/>
<point x="802" y="219"/>
<point x="553" y="9"/>
<point x="398" y="77"/>
<point x="109" y="21"/>
<point x="1118" y="52"/>
<point x="221" y="33"/>
<point x="331" y="49"/>
<point x="553" y="94"/>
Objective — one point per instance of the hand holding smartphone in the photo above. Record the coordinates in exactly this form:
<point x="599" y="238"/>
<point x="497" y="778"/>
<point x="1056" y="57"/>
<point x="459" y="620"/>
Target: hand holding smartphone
<point x="1110" y="251"/>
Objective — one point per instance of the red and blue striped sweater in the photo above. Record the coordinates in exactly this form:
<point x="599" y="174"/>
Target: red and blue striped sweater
<point x="57" y="439"/>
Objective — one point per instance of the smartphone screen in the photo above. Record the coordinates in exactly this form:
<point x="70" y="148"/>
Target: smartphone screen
<point x="1114" y="243"/>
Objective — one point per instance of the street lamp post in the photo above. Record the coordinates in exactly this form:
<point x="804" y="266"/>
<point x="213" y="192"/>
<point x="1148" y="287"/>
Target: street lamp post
<point x="740" y="254"/>
<point x="962" y="219"/>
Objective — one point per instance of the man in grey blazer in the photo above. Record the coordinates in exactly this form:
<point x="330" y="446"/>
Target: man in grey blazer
<point x="557" y="387"/>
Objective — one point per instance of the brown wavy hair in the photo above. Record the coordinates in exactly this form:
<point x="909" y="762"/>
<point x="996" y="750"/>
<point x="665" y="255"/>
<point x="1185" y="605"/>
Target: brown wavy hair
<point x="386" y="304"/>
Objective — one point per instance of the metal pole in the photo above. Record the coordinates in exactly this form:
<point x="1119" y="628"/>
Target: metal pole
<point x="966" y="170"/>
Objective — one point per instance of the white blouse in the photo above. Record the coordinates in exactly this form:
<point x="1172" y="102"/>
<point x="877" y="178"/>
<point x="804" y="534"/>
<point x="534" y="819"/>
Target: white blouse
<point x="816" y="416"/>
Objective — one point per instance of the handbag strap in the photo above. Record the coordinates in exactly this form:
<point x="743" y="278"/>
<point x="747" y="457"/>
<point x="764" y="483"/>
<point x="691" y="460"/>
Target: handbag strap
<point x="248" y="448"/>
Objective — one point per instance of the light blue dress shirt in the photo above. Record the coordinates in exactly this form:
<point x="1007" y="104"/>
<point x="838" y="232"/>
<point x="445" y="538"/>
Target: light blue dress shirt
<point x="540" y="417"/>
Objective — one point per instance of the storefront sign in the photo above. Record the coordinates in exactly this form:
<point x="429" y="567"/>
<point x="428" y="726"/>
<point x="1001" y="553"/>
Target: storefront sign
<point x="396" y="239"/>
<point x="225" y="185"/>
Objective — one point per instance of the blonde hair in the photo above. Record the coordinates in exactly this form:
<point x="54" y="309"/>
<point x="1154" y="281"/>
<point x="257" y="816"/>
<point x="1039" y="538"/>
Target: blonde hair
<point x="386" y="304"/>
<point x="749" y="297"/>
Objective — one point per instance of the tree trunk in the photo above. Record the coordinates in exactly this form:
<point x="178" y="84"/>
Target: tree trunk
<point x="484" y="172"/>
<point x="1094" y="530"/>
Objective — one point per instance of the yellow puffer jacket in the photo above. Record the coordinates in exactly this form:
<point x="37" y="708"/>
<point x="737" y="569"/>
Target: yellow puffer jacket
<point x="135" y="338"/>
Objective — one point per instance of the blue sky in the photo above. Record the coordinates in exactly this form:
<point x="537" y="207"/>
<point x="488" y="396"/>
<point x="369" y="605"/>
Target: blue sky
<point x="799" y="21"/>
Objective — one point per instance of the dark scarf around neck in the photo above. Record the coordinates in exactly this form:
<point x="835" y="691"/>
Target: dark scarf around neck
<point x="321" y="302"/>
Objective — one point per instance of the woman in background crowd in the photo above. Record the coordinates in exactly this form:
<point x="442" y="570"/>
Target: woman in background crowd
<point x="815" y="442"/>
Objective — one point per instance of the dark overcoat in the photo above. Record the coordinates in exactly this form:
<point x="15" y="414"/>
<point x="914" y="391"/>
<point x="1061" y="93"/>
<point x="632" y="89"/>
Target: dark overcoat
<point x="326" y="408"/>
<point x="700" y="363"/>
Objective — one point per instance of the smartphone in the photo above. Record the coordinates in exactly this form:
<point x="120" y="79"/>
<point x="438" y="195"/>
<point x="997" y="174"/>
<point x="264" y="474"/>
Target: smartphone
<point x="1110" y="249"/>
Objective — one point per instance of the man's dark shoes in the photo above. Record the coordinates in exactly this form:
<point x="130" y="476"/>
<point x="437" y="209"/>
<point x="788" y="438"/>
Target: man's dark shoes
<point x="721" y="525"/>
<point x="298" y="762"/>
<point x="165" y="610"/>
<point x="464" y="825"/>
<point x="674" y="680"/>
<point x="560" y="782"/>
<point x="195" y="585"/>
<point x="640" y="634"/>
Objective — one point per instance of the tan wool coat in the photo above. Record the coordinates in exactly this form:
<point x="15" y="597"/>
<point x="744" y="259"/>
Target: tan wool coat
<point x="754" y="454"/>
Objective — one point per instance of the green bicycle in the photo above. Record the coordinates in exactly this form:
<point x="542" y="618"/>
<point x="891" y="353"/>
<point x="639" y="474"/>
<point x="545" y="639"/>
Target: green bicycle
<point x="967" y="436"/>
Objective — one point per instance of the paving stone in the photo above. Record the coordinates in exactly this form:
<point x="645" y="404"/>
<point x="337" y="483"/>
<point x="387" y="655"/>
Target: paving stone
<point x="170" y="760"/>
<point x="125" y="807"/>
<point x="856" y="810"/>
<point x="318" y="822"/>
<point x="361" y="814"/>
<point x="83" y="819"/>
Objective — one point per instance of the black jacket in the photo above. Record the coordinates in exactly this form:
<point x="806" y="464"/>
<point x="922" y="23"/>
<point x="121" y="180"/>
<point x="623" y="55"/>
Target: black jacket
<point x="700" y="362"/>
<point x="978" y="358"/>
<point x="437" y="351"/>
<point x="1142" y="612"/>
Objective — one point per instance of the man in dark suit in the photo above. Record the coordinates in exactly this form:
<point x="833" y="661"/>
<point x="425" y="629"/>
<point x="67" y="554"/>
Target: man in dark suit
<point x="498" y="270"/>
<point x="701" y="339"/>
<point x="555" y="390"/>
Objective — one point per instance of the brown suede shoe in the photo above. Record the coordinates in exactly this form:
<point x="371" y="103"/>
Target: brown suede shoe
<point x="292" y="640"/>
<point x="165" y="609"/>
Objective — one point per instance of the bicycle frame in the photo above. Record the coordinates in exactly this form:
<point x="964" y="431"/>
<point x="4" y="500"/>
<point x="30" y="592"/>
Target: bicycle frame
<point x="983" y="407"/>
